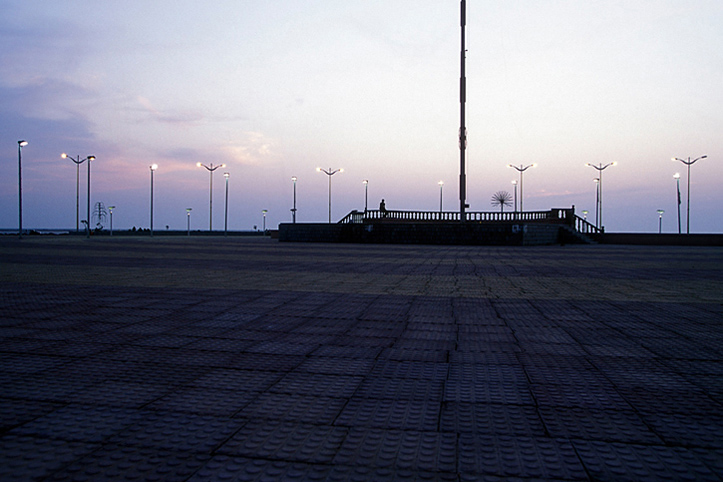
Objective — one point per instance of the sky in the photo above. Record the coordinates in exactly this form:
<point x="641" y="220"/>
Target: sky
<point x="277" y="89"/>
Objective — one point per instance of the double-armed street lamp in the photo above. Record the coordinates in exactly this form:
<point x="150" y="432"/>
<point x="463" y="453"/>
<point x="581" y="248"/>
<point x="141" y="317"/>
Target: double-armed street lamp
<point x="676" y="176"/>
<point x="210" y="168"/>
<point x="293" y="209"/>
<point x="329" y="172"/>
<point x="521" y="169"/>
<point x="21" y="144"/>
<point x="600" y="168"/>
<point x="225" y="211"/>
<point x="153" y="168"/>
<point x="688" y="163"/>
<point x="441" y="187"/>
<point x="77" y="161"/>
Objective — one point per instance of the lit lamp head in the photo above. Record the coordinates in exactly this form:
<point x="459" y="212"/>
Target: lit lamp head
<point x="676" y="175"/>
<point x="64" y="156"/>
<point x="22" y="143"/>
<point x="441" y="183"/>
<point x="154" y="167"/>
<point x="293" y="178"/>
<point x="91" y="158"/>
<point x="226" y="175"/>
<point x="198" y="164"/>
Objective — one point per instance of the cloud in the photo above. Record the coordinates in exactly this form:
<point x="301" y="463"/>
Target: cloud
<point x="182" y="118"/>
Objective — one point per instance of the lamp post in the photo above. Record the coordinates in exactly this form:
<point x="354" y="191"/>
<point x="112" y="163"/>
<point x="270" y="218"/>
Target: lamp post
<point x="660" y="220"/>
<point x="110" y="210"/>
<point x="514" y="183"/>
<point x="21" y="144"/>
<point x="521" y="169"/>
<point x="188" y="220"/>
<point x="210" y="168"/>
<point x="153" y="168"/>
<point x="676" y="176"/>
<point x="687" y="214"/>
<point x="329" y="172"/>
<point x="264" y="211"/>
<point x="87" y="221"/>
<point x="600" y="168"/>
<point x="597" y="201"/>
<point x="77" y="161"/>
<point x="293" y="209"/>
<point x="441" y="187"/>
<point x="584" y="214"/>
<point x="225" y="211"/>
<point x="366" y="194"/>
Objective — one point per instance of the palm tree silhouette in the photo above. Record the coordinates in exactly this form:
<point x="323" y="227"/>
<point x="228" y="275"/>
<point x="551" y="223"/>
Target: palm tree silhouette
<point x="502" y="199"/>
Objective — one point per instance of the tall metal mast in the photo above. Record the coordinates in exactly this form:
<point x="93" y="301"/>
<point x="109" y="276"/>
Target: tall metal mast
<point x="462" y="128"/>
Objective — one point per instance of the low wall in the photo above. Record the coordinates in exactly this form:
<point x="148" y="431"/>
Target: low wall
<point x="654" y="239"/>
<point x="423" y="233"/>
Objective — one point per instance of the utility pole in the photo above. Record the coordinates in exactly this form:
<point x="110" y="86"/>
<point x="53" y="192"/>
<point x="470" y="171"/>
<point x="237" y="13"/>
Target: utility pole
<point x="462" y="127"/>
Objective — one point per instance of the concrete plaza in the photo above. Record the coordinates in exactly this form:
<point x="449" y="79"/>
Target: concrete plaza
<point x="174" y="358"/>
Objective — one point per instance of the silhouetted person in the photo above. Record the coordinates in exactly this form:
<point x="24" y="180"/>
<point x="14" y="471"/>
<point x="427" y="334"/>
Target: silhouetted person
<point x="383" y="208"/>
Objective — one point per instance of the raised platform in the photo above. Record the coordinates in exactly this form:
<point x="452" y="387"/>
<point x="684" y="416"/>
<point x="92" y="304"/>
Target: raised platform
<point x="496" y="234"/>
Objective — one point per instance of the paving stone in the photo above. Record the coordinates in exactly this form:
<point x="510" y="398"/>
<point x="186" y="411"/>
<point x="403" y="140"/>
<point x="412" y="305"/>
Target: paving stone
<point x="279" y="406"/>
<point x="591" y="424"/>
<point x="287" y="441"/>
<point x="30" y="458"/>
<point x="419" y="415"/>
<point x="119" y="462"/>
<point x="523" y="457"/>
<point x="93" y="424"/>
<point x="401" y="389"/>
<point x="493" y="419"/>
<point x="178" y="431"/>
<point x="411" y="450"/>
<point x="690" y="429"/>
<point x="223" y="467"/>
<point x="302" y="383"/>
<point x="616" y="461"/>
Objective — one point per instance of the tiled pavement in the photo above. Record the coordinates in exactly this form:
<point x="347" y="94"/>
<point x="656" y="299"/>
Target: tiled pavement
<point x="248" y="359"/>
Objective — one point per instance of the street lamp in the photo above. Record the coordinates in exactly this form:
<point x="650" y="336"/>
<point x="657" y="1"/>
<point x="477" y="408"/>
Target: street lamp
<point x="188" y="220"/>
<point x="514" y="183"/>
<point x="441" y="186"/>
<point x="600" y="168"/>
<point x="366" y="194"/>
<point x="210" y="168"/>
<point x="225" y="215"/>
<point x="87" y="221"/>
<point x="110" y="210"/>
<point x="676" y="176"/>
<point x="597" y="201"/>
<point x="584" y="214"/>
<point x="264" y="211"/>
<point x="21" y="144"/>
<point x="77" y="161"/>
<point x="687" y="215"/>
<point x="153" y="168"/>
<point x="329" y="173"/>
<point x="293" y="210"/>
<point x="521" y="170"/>
<point x="660" y="220"/>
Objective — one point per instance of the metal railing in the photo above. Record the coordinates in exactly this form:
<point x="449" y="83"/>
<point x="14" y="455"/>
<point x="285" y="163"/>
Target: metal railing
<point x="559" y="216"/>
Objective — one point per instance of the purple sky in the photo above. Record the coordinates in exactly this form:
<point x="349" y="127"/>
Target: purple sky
<point x="276" y="89"/>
